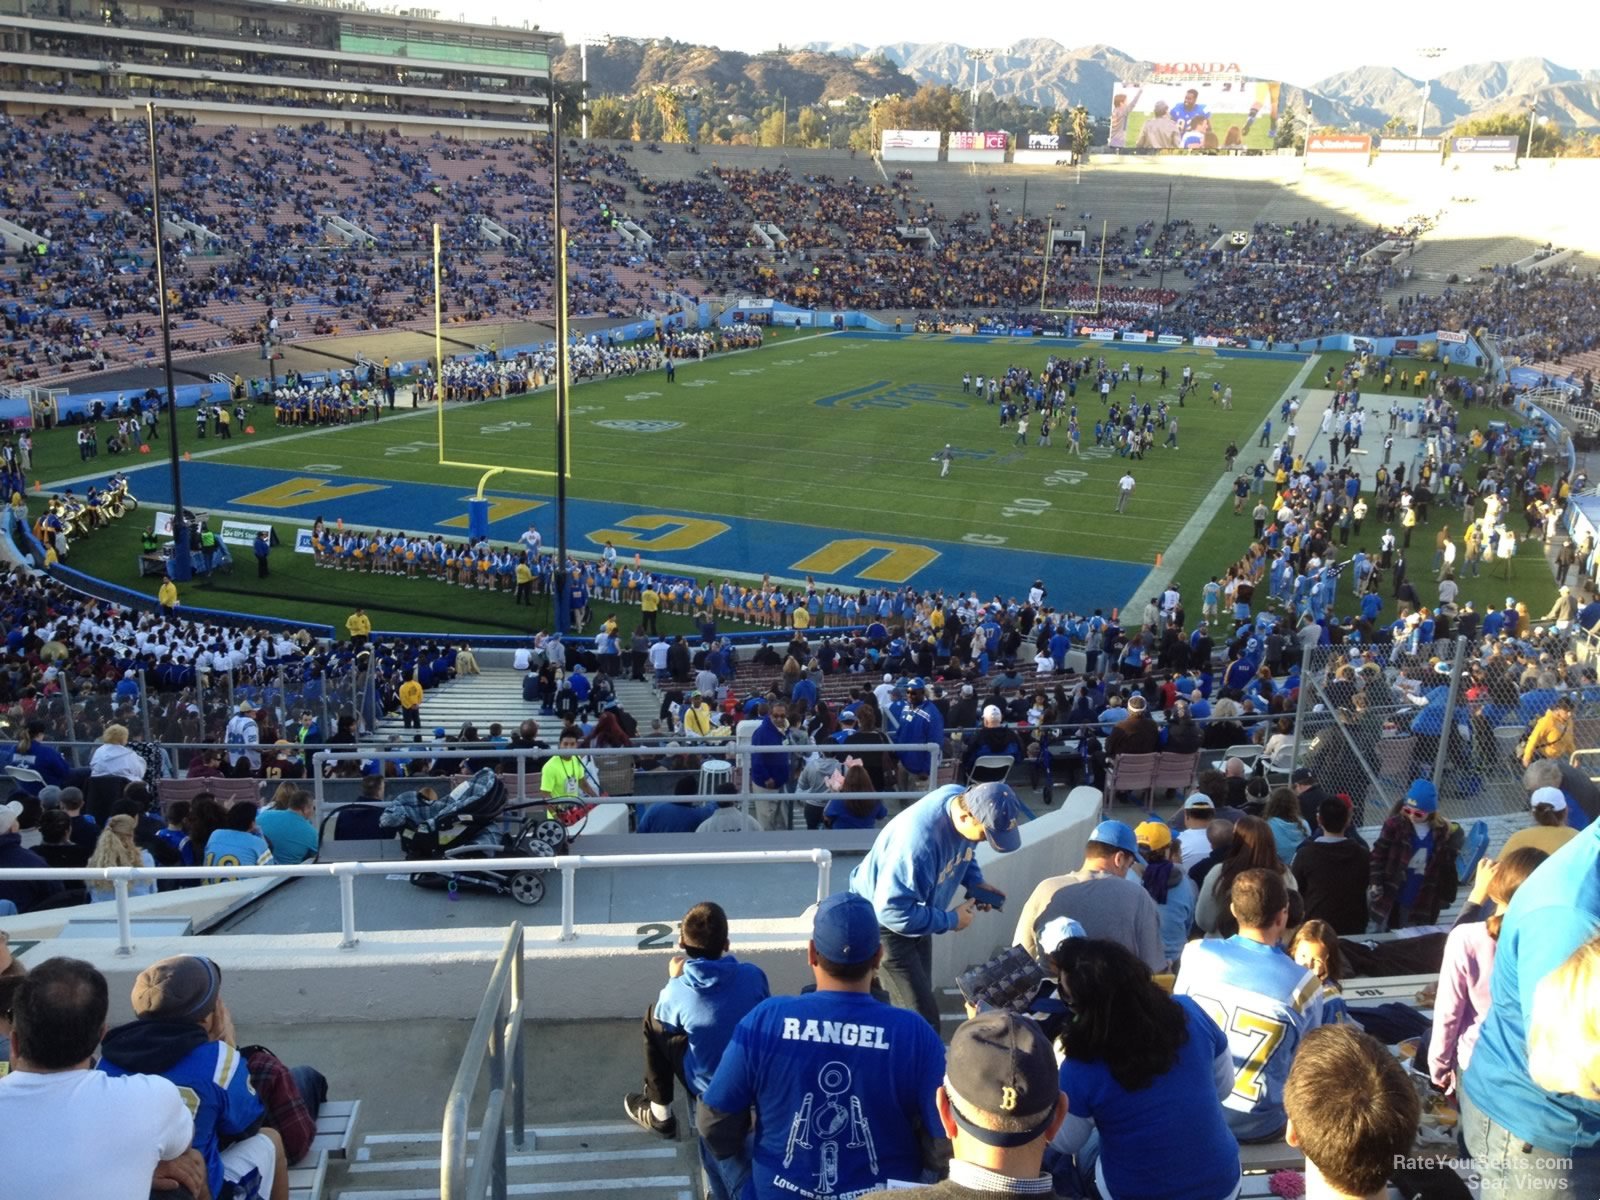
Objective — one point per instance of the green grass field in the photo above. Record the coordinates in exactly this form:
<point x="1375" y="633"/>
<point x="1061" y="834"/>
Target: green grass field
<point x="822" y="432"/>
<point x="827" y="433"/>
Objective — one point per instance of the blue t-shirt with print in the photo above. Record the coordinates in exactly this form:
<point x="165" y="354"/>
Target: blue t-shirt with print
<point x="1182" y="1103"/>
<point x="840" y="1083"/>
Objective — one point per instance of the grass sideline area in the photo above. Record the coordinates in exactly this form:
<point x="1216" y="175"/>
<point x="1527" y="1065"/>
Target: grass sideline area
<point x="1227" y="536"/>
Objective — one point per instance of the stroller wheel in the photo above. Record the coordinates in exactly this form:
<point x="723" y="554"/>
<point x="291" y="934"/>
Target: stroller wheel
<point x="527" y="887"/>
<point x="551" y="833"/>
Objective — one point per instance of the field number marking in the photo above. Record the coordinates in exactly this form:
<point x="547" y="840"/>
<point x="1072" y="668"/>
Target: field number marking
<point x="1025" y="507"/>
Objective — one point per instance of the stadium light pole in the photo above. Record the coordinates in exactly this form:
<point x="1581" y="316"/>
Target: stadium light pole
<point x="180" y="565"/>
<point x="584" y="42"/>
<point x="1428" y="54"/>
<point x="978" y="58"/>
<point x="563" y="616"/>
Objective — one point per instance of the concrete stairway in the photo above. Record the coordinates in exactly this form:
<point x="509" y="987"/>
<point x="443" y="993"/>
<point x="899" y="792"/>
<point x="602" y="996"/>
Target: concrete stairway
<point x="603" y="1159"/>
<point x="494" y="695"/>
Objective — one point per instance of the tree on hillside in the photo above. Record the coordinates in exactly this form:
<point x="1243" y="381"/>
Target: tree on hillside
<point x="1548" y="139"/>
<point x="674" y="121"/>
<point x="1082" y="134"/>
<point x="1291" y="135"/>
<point x="608" y="118"/>
<point x="772" y="130"/>
<point x="811" y="128"/>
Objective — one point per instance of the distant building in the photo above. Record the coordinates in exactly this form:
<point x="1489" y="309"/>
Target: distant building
<point x="243" y="62"/>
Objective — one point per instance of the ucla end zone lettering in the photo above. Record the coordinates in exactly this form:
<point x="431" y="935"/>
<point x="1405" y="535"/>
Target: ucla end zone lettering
<point x="709" y="544"/>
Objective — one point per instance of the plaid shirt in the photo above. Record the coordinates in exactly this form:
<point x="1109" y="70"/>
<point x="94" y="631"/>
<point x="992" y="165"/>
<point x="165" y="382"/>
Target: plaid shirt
<point x="280" y="1096"/>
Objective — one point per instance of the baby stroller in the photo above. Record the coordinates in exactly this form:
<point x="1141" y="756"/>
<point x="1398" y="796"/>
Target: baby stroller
<point x="462" y="826"/>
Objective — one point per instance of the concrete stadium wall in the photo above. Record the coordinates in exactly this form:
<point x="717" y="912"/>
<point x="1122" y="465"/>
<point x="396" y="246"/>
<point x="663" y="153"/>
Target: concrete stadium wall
<point x="604" y="972"/>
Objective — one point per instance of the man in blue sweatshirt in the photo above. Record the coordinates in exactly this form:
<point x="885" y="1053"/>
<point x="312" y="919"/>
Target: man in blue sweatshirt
<point x="913" y="870"/>
<point x="708" y="992"/>
<point x="1524" y="1140"/>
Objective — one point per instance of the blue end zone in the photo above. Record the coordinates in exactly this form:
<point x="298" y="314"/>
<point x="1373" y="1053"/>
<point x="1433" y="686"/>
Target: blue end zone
<point x="707" y="542"/>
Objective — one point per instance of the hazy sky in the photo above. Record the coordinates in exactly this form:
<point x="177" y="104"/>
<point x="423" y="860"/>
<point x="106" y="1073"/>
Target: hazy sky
<point x="1299" y="43"/>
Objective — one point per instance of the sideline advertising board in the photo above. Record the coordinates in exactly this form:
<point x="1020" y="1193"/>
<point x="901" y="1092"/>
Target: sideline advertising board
<point x="972" y="146"/>
<point x="1339" y="143"/>
<point x="910" y="145"/>
<point x="1501" y="146"/>
<point x="1411" y="145"/>
<point x="242" y="533"/>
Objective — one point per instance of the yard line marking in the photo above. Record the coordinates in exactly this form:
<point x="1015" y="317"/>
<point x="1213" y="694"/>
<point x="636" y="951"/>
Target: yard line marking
<point x="1173" y="560"/>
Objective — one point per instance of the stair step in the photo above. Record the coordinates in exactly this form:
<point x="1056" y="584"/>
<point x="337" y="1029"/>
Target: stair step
<point x="677" y="1187"/>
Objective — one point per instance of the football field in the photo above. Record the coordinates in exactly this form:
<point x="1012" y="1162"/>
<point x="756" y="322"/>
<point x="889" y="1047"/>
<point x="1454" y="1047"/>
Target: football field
<point x="813" y="457"/>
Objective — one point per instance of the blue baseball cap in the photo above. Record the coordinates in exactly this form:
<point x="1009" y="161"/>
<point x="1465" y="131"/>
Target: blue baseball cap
<point x="845" y="929"/>
<point x="996" y="807"/>
<point x="1118" y="835"/>
<point x="917" y="685"/>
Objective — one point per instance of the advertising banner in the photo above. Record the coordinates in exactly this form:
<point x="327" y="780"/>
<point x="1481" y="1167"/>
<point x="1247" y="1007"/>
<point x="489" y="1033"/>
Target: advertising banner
<point x="1508" y="145"/>
<point x="1129" y="335"/>
<point x="242" y="533"/>
<point x="1410" y="145"/>
<point x="1339" y="143"/>
<point x="1194" y="114"/>
<point x="967" y="139"/>
<point x="911" y="145"/>
<point x="1103" y="335"/>
<point x="978" y="146"/>
<point x="910" y="139"/>
<point x="1045" y="141"/>
<point x="1169" y="339"/>
<point x="163" y="524"/>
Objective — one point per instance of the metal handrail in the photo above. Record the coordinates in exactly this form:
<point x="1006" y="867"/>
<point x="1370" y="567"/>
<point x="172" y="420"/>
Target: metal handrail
<point x="721" y="748"/>
<point x="347" y="872"/>
<point x="495" y="1041"/>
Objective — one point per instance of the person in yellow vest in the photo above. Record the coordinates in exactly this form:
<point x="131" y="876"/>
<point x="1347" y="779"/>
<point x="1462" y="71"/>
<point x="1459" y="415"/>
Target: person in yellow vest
<point x="168" y="595"/>
<point x="524" y="582"/>
<point x="411" y="704"/>
<point x="359" y="626"/>
<point x="649" y="604"/>
<point x="802" y="616"/>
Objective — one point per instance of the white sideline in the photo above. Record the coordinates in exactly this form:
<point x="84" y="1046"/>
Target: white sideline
<point x="1177" y="553"/>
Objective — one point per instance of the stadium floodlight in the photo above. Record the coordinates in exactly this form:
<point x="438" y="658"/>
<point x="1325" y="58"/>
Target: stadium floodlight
<point x="585" y="40"/>
<point x="978" y="58"/>
<point x="1427" y="54"/>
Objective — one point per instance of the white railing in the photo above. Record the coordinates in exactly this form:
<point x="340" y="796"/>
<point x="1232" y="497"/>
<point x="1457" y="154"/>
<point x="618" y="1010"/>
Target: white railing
<point x="725" y="749"/>
<point x="347" y="873"/>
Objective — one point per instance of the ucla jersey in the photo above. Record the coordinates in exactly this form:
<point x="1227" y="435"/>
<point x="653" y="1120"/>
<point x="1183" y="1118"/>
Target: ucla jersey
<point x="1266" y="1003"/>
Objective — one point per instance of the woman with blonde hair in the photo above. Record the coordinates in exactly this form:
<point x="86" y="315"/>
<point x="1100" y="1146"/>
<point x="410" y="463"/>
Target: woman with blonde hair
<point x="1564" y="1032"/>
<point x="112" y="756"/>
<point x="1463" y="996"/>
<point x="116" y="848"/>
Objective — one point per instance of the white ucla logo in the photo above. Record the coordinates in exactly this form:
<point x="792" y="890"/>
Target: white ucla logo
<point x="641" y="426"/>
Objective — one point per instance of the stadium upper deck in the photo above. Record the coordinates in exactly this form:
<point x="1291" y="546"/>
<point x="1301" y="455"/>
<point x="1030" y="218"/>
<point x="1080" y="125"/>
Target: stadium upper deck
<point x="241" y="60"/>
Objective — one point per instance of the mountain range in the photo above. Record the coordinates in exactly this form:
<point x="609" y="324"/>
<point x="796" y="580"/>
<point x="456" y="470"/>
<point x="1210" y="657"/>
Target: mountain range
<point x="1045" y="73"/>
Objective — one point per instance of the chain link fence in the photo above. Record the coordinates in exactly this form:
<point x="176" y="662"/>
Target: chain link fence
<point x="1373" y="719"/>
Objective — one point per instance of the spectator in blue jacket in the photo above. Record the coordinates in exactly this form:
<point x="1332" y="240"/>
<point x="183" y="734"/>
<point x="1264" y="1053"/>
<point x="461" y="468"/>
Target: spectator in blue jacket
<point x="770" y="772"/>
<point x="1527" y="1141"/>
<point x="708" y="992"/>
<point x="920" y="722"/>
<point x="913" y="870"/>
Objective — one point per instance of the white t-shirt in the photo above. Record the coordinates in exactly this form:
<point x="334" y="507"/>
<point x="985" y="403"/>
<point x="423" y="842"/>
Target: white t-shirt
<point x="1126" y="483"/>
<point x="1195" y="845"/>
<point x="105" y="1135"/>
